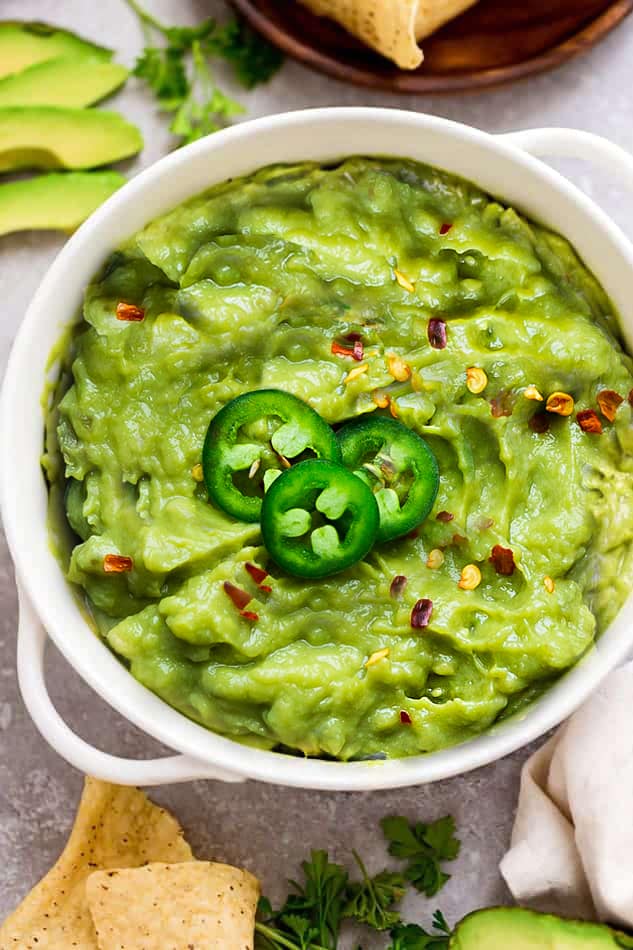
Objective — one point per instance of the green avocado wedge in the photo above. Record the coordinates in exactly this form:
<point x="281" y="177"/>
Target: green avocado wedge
<point x="59" y="201"/>
<point x="52" y="137"/>
<point x="66" y="81"/>
<point x="22" y="44"/>
<point x="502" y="928"/>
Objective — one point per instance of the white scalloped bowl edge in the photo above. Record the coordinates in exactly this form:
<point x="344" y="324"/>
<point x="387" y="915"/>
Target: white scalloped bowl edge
<point x="496" y="165"/>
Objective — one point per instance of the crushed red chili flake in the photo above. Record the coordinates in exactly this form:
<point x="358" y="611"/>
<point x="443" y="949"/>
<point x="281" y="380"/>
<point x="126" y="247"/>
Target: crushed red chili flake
<point x="117" y="564"/>
<point x="502" y="559"/>
<point x="486" y="523"/>
<point x="249" y="615"/>
<point x="257" y="573"/>
<point x="445" y="227"/>
<point x="405" y="718"/>
<point x="266" y="588"/>
<point x="129" y="312"/>
<point x="421" y="613"/>
<point x="630" y="397"/>
<point x="354" y="352"/>
<point x="609" y="401"/>
<point x="501" y="405"/>
<point x="444" y="516"/>
<point x="436" y="332"/>
<point x="459" y="539"/>
<point x="588" y="421"/>
<point x="239" y="597"/>
<point x="398" y="584"/>
<point x="539" y="423"/>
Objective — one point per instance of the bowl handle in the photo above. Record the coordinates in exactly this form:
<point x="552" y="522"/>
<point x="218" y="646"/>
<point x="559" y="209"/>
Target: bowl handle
<point x="176" y="768"/>
<point x="574" y="143"/>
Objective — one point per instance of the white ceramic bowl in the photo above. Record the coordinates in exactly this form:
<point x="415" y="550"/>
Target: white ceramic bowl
<point x="502" y="165"/>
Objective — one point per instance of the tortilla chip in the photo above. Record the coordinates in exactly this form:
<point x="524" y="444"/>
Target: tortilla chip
<point x="176" y="906"/>
<point x="392" y="27"/>
<point x="115" y="827"/>
<point x="432" y="14"/>
<point x="386" y="25"/>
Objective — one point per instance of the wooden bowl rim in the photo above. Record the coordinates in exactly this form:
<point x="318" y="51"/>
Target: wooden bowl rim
<point x="404" y="81"/>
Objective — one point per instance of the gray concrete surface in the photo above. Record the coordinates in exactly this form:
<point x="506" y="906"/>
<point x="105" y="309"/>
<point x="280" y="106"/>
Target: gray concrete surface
<point x="269" y="830"/>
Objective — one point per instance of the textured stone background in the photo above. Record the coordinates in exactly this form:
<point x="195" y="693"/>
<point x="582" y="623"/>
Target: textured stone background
<point x="269" y="830"/>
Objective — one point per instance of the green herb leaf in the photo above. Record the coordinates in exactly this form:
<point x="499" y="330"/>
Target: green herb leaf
<point x="413" y="937"/>
<point x="179" y="75"/>
<point x="424" y="846"/>
<point x="370" y="900"/>
<point x="253" y="59"/>
<point x="311" y="917"/>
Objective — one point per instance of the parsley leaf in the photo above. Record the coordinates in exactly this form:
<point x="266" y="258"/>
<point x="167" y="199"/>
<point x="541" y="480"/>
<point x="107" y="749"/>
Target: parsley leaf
<point x="179" y="74"/>
<point x="370" y="900"/>
<point x="424" y="846"/>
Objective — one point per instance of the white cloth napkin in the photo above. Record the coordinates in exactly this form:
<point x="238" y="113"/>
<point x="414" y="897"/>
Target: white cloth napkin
<point x="572" y="843"/>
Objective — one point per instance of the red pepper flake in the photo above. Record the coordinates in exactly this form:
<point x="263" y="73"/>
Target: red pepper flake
<point x="588" y="421"/>
<point x="239" y="597"/>
<point x="502" y="559"/>
<point x="257" y="573"/>
<point x="421" y="613"/>
<point x="501" y="405"/>
<point x="539" y="423"/>
<point x="117" y="564"/>
<point x="398" y="584"/>
<point x="354" y="352"/>
<point x="609" y="401"/>
<point x="459" y="539"/>
<point x="405" y="718"/>
<point x="444" y="516"/>
<point x="445" y="228"/>
<point x="249" y="615"/>
<point x="266" y="588"/>
<point x="436" y="332"/>
<point x="630" y="397"/>
<point x="129" y="312"/>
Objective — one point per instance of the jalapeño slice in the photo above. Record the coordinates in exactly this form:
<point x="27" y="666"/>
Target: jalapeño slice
<point x="318" y="518"/>
<point x="397" y="465"/>
<point x="252" y="440"/>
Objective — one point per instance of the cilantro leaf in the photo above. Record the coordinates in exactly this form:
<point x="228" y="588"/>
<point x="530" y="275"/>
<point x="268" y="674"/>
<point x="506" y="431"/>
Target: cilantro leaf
<point x="253" y="59"/>
<point x="179" y="74"/>
<point x="424" y="846"/>
<point x="370" y="900"/>
<point x="312" y="915"/>
<point x="414" y="937"/>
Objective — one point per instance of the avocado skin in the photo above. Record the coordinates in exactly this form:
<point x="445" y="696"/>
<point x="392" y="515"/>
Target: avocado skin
<point x="59" y="201"/>
<point x="24" y="43"/>
<point x="66" y="81"/>
<point x="54" y="137"/>
<point x="516" y="928"/>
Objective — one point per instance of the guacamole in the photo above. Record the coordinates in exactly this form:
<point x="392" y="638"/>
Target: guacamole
<point x="372" y="286"/>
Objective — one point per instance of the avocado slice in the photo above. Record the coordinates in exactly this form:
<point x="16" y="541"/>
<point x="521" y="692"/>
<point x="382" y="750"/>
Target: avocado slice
<point x="59" y="201"/>
<point x="22" y="44"/>
<point x="514" y="928"/>
<point x="53" y="137"/>
<point x="66" y="81"/>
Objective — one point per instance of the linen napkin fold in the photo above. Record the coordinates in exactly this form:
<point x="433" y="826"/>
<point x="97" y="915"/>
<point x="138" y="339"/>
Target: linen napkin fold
<point x="572" y="843"/>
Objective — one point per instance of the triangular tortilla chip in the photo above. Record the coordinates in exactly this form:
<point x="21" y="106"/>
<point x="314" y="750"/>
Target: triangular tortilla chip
<point x="392" y="27"/>
<point x="192" y="906"/>
<point x="115" y="827"/>
<point x="386" y="25"/>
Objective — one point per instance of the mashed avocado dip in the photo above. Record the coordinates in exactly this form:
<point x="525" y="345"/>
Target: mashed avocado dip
<point x="375" y="286"/>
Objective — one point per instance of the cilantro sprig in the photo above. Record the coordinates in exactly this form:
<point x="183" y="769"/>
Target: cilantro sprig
<point x="424" y="846"/>
<point x="314" y="912"/>
<point x="175" y="65"/>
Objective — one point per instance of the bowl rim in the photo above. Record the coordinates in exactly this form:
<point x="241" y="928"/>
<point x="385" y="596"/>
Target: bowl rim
<point x="144" y="708"/>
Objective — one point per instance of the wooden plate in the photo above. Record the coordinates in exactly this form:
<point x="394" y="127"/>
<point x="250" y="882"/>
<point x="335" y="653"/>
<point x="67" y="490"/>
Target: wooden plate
<point x="493" y="42"/>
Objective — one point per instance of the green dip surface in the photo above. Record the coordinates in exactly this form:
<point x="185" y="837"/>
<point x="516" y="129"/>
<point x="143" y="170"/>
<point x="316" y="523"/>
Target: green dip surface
<point x="246" y="287"/>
